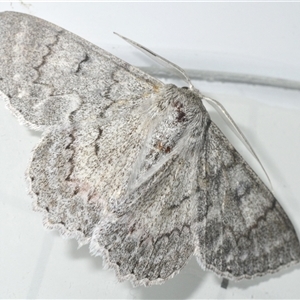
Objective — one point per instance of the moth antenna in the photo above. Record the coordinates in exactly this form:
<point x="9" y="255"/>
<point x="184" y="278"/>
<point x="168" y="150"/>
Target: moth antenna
<point x="217" y="105"/>
<point x="164" y="62"/>
<point x="221" y="109"/>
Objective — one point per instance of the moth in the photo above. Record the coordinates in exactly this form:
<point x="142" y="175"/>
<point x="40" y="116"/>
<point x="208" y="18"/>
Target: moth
<point x="134" y="167"/>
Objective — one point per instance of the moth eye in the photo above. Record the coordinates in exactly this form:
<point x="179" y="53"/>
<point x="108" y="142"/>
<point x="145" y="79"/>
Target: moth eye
<point x="185" y="87"/>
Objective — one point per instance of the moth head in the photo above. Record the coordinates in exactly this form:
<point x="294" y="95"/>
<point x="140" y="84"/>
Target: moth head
<point x="171" y="91"/>
<point x="184" y="102"/>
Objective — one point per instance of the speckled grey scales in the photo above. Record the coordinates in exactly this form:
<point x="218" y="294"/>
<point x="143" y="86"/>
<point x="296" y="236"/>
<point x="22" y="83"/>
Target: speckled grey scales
<point x="134" y="167"/>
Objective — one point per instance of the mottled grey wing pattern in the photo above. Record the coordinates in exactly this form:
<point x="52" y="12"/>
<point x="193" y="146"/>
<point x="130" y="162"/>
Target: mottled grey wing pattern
<point x="148" y="236"/>
<point x="55" y="81"/>
<point x="135" y="166"/>
<point x="80" y="168"/>
<point x="242" y="231"/>
<point x="47" y="73"/>
<point x="150" y="239"/>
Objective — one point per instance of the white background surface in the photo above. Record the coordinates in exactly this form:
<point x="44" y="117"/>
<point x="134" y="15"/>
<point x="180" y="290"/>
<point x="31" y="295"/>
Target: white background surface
<point x="254" y="38"/>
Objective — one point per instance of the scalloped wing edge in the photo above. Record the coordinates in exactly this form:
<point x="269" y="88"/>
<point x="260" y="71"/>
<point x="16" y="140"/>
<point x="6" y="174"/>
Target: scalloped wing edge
<point x="18" y="115"/>
<point x="229" y="276"/>
<point x="63" y="231"/>
<point x="97" y="250"/>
